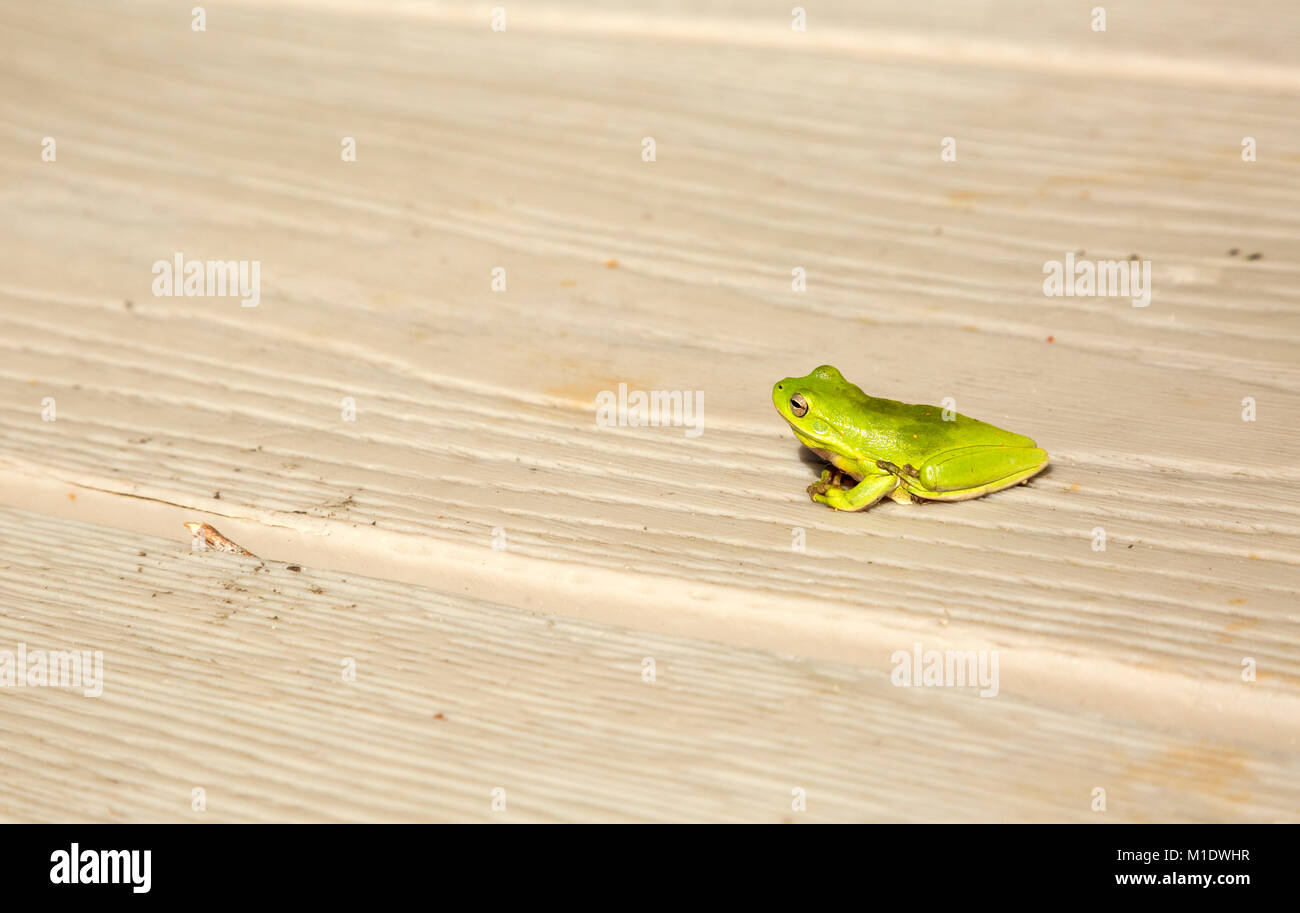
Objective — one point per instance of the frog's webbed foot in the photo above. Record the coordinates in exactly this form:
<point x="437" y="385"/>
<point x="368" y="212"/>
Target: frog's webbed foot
<point x="830" y="479"/>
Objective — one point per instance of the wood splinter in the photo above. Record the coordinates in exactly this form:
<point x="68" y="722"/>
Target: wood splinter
<point x="206" y="536"/>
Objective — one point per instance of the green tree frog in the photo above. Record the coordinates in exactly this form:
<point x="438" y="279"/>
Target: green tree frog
<point x="898" y="449"/>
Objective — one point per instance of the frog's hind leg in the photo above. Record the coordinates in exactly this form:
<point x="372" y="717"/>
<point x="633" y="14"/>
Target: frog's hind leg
<point x="969" y="472"/>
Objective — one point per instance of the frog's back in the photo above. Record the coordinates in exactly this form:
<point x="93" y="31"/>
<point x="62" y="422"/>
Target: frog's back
<point x="913" y="433"/>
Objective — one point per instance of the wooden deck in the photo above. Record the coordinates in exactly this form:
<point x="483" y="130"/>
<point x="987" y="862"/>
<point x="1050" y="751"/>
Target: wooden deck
<point x="521" y="668"/>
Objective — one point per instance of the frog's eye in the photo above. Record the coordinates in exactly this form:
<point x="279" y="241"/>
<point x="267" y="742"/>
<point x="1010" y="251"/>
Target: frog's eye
<point x="798" y="405"/>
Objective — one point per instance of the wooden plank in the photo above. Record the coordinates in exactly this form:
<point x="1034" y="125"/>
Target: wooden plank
<point x="522" y="150"/>
<point x="225" y="674"/>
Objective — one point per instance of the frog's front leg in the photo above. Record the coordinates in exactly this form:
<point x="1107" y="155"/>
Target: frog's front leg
<point x="861" y="496"/>
<point x="831" y="478"/>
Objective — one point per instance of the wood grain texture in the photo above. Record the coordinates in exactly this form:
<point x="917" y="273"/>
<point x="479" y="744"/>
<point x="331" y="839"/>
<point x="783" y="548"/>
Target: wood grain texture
<point x="225" y="673"/>
<point x="774" y="150"/>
